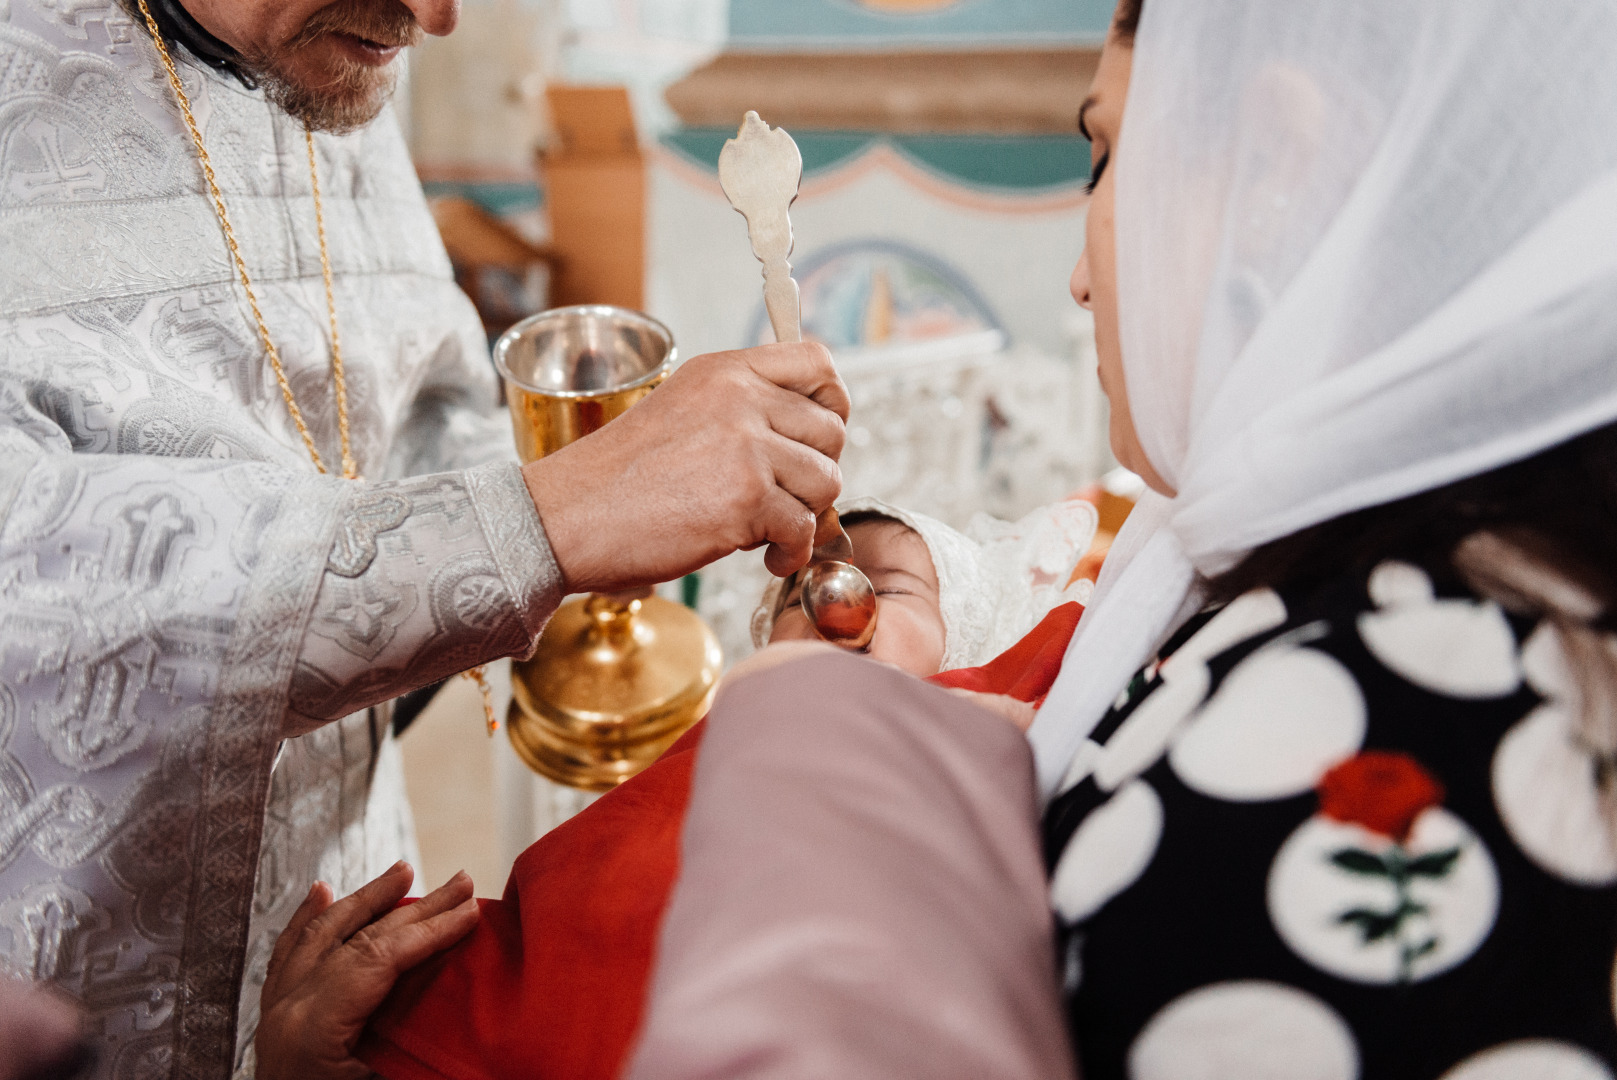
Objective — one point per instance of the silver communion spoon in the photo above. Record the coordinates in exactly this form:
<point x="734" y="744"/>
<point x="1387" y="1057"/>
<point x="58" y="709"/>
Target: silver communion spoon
<point x="760" y="170"/>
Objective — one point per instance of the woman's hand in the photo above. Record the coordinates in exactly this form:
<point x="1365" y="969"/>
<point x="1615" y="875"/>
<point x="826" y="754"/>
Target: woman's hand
<point x="335" y="962"/>
<point x="773" y="656"/>
<point x="39" y="1035"/>
<point x="1019" y="713"/>
<point x="1016" y="711"/>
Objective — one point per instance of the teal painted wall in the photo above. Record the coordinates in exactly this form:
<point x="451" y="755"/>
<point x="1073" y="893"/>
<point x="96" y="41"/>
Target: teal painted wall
<point x="845" y="23"/>
<point x="1004" y="162"/>
<point x="499" y="197"/>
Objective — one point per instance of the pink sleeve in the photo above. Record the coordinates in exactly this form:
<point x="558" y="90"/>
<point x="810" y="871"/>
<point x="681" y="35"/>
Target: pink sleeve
<point x="861" y="892"/>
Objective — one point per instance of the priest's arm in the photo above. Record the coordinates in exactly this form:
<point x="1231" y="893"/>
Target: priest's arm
<point x="431" y="576"/>
<point x="267" y="589"/>
<point x="247" y="580"/>
<point x="425" y="578"/>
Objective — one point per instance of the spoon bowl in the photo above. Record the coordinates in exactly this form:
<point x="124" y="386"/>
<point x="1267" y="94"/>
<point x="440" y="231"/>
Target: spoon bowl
<point x="840" y="603"/>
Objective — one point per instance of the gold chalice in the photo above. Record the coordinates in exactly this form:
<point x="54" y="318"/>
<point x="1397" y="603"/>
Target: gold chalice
<point x="616" y="677"/>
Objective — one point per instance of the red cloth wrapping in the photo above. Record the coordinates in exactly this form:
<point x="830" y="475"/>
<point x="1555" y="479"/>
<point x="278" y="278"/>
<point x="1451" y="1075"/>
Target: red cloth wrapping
<point x="1026" y="670"/>
<point x="551" y="984"/>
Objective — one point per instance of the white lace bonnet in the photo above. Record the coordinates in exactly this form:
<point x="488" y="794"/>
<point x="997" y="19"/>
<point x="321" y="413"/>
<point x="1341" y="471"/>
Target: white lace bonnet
<point x="996" y="580"/>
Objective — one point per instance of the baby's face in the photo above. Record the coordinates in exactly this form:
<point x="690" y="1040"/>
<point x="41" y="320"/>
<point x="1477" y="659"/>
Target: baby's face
<point x="909" y="622"/>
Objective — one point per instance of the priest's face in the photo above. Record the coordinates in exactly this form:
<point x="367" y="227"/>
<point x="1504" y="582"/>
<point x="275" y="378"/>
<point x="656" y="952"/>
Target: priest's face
<point x="330" y="63"/>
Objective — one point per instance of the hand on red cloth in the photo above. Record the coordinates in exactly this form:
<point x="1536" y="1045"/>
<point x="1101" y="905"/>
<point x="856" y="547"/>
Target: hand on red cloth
<point x="551" y="983"/>
<point x="337" y="960"/>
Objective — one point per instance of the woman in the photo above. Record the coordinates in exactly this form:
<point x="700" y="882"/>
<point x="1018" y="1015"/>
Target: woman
<point x="1352" y="817"/>
<point x="1360" y="811"/>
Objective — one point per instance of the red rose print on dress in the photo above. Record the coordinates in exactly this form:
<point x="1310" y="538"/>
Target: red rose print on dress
<point x="1383" y="885"/>
<point x="1384" y="792"/>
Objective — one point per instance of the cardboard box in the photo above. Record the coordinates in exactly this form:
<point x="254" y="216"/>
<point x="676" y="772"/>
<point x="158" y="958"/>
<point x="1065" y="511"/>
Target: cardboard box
<point x="595" y="191"/>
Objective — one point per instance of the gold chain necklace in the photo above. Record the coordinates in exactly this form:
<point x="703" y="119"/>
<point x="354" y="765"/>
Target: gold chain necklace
<point x="339" y="382"/>
<point x="338" y="379"/>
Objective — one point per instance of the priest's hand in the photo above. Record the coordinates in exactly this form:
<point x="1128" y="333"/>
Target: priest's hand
<point x="736" y="450"/>
<point x="335" y="962"/>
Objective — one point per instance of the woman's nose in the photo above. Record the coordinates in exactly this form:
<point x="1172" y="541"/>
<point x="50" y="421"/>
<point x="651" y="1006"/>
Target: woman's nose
<point x="437" y="17"/>
<point x="1080" y="281"/>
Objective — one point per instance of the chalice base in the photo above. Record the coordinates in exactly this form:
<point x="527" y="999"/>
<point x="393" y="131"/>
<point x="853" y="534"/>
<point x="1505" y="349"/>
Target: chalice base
<point x="611" y="685"/>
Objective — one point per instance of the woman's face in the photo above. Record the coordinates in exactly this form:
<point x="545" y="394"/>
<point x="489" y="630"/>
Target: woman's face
<point x="1094" y="281"/>
<point x="909" y="621"/>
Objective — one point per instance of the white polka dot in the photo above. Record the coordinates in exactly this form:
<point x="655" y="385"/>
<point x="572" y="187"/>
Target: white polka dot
<point x="1544" y="778"/>
<point x="1247" y="616"/>
<point x="1245" y="1031"/>
<point x="1309" y="895"/>
<point x="1108" y="853"/>
<point x="1544" y="789"/>
<point x="1544" y="664"/>
<point x="1279" y="720"/>
<point x="1144" y="737"/>
<point x="1398" y="584"/>
<point x="1531" y="1059"/>
<point x="1459" y="648"/>
<point x="1140" y="741"/>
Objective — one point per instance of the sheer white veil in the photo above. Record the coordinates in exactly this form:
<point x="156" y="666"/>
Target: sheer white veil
<point x="1364" y="249"/>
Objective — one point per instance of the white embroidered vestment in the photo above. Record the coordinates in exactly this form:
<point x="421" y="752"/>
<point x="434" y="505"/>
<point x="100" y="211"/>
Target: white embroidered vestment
<point x="176" y="581"/>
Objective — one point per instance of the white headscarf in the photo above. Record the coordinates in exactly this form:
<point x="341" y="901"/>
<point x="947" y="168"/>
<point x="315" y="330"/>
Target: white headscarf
<point x="1364" y="250"/>
<point x="996" y="580"/>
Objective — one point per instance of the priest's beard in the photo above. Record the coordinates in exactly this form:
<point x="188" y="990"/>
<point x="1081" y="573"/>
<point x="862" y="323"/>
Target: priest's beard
<point x="338" y="94"/>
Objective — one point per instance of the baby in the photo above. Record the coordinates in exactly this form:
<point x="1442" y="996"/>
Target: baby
<point x="909" y="622"/>
<point x="946" y="599"/>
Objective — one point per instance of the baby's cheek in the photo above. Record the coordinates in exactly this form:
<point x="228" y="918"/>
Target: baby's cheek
<point x="907" y="639"/>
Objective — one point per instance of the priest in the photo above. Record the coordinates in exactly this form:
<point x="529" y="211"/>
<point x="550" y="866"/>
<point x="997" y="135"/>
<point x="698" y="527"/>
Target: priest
<point x="254" y="484"/>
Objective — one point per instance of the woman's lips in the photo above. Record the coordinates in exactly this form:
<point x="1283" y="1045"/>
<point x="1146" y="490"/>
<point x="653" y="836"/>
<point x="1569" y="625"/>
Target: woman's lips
<point x="366" y="51"/>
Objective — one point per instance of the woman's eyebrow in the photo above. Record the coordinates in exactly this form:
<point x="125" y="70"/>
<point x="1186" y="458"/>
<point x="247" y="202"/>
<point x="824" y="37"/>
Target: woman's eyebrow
<point x="1083" y="111"/>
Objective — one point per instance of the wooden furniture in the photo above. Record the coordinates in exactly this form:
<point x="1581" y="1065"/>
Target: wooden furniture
<point x="1003" y="92"/>
<point x="507" y="277"/>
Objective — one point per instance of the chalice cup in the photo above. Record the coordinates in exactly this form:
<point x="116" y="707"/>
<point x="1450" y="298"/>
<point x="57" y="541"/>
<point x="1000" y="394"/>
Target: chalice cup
<point x="616" y="678"/>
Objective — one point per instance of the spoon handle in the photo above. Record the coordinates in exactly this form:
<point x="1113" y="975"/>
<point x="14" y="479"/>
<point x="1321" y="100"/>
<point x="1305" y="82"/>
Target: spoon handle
<point x="831" y="543"/>
<point x="760" y="171"/>
<point x="782" y="301"/>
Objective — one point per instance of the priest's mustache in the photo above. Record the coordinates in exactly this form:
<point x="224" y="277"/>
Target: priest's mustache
<point x="382" y="22"/>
